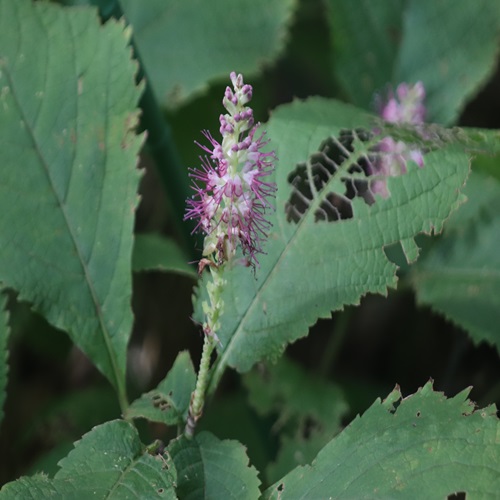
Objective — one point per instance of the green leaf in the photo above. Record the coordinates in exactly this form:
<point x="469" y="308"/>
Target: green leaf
<point x="169" y="402"/>
<point x="450" y="46"/>
<point x="68" y="100"/>
<point x="312" y="268"/>
<point x="422" y="446"/>
<point x="185" y="43"/>
<point x="309" y="411"/>
<point x="460" y="275"/>
<point x="108" y="462"/>
<point x="153" y="252"/>
<point x="363" y="59"/>
<point x="4" y="356"/>
<point x="212" y="469"/>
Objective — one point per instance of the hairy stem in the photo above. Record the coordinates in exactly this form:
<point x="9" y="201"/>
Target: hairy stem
<point x="198" y="396"/>
<point x="213" y="310"/>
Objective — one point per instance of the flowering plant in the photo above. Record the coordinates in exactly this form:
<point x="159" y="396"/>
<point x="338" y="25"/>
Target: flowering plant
<point x="230" y="208"/>
<point x="406" y="105"/>
<point x="230" y="205"/>
<point x="303" y="276"/>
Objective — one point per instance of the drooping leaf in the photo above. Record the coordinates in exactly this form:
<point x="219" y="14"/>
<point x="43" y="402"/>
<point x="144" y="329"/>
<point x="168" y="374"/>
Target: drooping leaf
<point x="460" y="275"/>
<point x="211" y="40"/>
<point x="169" y="402"/>
<point x="422" y="446"/>
<point x="108" y="462"/>
<point x="212" y="469"/>
<point x="4" y="356"/>
<point x="451" y="46"/>
<point x="308" y="410"/>
<point x="68" y="110"/>
<point x="153" y="252"/>
<point x="315" y="266"/>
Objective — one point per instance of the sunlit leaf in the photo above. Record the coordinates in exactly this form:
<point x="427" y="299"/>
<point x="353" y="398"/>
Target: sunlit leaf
<point x="314" y="266"/>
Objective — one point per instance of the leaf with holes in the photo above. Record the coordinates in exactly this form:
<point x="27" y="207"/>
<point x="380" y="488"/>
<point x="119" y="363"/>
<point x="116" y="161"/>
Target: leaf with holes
<point x="210" y="468"/>
<point x="330" y="227"/>
<point x="108" y="462"/>
<point x="68" y="175"/>
<point x="422" y="446"/>
<point x="169" y="402"/>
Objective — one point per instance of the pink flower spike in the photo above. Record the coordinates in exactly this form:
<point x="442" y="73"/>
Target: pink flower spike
<point x="405" y="105"/>
<point x="231" y="196"/>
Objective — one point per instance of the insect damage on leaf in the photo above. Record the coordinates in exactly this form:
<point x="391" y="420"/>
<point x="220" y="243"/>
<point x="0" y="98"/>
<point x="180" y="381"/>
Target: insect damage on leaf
<point x="356" y="164"/>
<point x="332" y="177"/>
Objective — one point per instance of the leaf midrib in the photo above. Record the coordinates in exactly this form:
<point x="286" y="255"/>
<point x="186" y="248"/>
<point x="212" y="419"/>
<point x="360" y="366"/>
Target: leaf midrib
<point x="86" y="273"/>
<point x="315" y="202"/>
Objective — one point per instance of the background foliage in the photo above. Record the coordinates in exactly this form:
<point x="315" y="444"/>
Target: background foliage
<point x="97" y="287"/>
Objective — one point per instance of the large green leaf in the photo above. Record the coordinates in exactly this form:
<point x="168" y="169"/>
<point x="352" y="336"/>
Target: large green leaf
<point x="460" y="275"/>
<point x="68" y="179"/>
<point x="312" y="268"/>
<point x="449" y="45"/>
<point x="4" y="357"/>
<point x="422" y="446"/>
<point x="185" y="43"/>
<point x="109" y="462"/>
<point x="363" y="58"/>
<point x="212" y="469"/>
<point x="169" y="402"/>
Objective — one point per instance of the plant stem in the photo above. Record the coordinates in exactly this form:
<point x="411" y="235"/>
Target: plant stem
<point x="335" y="342"/>
<point x="198" y="396"/>
<point x="215" y="376"/>
<point x="122" y="396"/>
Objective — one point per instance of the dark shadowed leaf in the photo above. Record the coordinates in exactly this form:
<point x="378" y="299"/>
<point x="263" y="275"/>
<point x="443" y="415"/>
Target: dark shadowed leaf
<point x="212" y="469"/>
<point x="186" y="43"/>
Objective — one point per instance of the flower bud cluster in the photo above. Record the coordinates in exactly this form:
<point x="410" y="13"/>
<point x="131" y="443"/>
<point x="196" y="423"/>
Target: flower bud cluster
<point x="406" y="105"/>
<point x="231" y="193"/>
